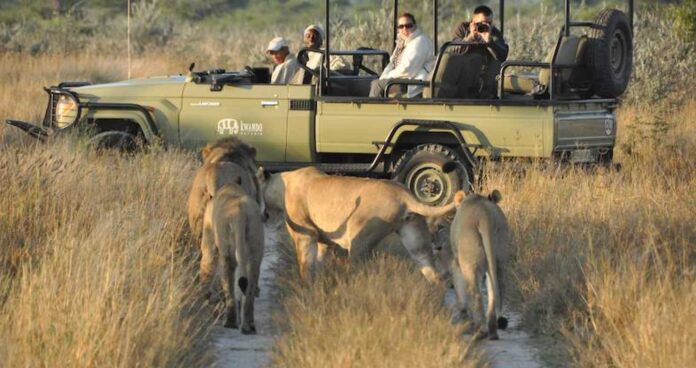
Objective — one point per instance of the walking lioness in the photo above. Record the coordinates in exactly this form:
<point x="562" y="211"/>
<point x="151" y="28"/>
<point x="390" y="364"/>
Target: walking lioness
<point x="480" y="238"/>
<point x="223" y="161"/>
<point x="352" y="213"/>
<point x="233" y="239"/>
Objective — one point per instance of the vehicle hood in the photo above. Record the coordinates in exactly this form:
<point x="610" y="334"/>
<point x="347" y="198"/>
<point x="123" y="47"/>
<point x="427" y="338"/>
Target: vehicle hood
<point x="162" y="87"/>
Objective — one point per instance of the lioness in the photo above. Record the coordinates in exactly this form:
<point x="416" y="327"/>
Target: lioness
<point x="216" y="168"/>
<point x="480" y="238"/>
<point x="352" y="213"/>
<point x="233" y="238"/>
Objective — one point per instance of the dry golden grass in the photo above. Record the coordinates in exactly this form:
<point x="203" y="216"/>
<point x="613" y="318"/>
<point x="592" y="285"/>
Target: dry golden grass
<point x="604" y="260"/>
<point x="24" y="76"/>
<point x="381" y="313"/>
<point x="90" y="273"/>
<point x="92" y="269"/>
<point x="609" y="257"/>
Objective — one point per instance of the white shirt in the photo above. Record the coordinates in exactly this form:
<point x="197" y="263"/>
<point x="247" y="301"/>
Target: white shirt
<point x="285" y="72"/>
<point x="315" y="60"/>
<point x="416" y="61"/>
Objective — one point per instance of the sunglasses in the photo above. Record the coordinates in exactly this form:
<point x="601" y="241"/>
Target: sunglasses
<point x="407" y="25"/>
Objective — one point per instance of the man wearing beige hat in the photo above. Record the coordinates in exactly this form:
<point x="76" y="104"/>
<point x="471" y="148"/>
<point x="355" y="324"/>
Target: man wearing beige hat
<point x="286" y="63"/>
<point x="313" y="37"/>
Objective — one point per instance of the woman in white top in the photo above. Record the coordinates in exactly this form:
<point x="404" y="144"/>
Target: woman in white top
<point x="412" y="58"/>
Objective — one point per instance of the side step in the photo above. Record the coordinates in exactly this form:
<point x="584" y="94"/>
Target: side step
<point x="337" y="168"/>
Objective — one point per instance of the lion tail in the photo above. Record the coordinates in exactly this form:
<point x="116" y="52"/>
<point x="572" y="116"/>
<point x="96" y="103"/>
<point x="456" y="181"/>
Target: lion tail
<point x="239" y="229"/>
<point x="414" y="206"/>
<point x="495" y="301"/>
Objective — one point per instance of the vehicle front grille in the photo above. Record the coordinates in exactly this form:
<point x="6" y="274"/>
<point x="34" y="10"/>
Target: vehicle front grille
<point x="49" y="117"/>
<point x="302" y="105"/>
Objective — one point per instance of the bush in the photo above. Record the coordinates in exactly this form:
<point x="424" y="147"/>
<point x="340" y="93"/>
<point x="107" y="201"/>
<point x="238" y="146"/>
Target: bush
<point x="686" y="20"/>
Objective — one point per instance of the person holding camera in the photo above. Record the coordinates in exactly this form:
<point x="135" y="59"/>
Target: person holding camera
<point x="481" y="29"/>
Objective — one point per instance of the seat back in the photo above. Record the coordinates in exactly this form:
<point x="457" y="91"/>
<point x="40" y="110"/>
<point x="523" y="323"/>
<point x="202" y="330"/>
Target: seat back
<point x="456" y="76"/>
<point x="570" y="51"/>
<point x="358" y="86"/>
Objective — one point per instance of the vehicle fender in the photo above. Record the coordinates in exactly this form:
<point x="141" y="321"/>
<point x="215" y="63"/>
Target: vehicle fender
<point x="150" y="133"/>
<point x="406" y="139"/>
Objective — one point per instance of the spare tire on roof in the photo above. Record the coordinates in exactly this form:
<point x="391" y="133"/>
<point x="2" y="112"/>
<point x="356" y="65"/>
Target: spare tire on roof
<point x="609" y="53"/>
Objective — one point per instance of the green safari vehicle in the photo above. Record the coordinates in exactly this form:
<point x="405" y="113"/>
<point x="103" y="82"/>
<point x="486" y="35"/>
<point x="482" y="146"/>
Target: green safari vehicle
<point x="563" y="112"/>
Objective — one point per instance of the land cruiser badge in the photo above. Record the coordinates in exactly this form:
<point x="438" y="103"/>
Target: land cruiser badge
<point x="234" y="127"/>
<point x="608" y="126"/>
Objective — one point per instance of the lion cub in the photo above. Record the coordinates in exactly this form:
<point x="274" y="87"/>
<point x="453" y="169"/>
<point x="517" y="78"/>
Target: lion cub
<point x="233" y="238"/>
<point x="480" y="238"/>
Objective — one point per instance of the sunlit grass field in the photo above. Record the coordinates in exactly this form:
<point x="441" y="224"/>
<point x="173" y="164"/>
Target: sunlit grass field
<point x="96" y="266"/>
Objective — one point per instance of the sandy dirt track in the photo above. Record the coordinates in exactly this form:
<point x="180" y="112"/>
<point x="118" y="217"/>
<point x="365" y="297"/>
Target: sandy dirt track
<point x="513" y="350"/>
<point x="246" y="351"/>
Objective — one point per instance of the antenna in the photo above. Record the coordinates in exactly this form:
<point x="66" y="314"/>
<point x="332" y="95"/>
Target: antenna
<point x="129" y="39"/>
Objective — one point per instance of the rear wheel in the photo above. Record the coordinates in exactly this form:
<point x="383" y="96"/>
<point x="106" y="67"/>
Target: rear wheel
<point x="420" y="170"/>
<point x="609" y="53"/>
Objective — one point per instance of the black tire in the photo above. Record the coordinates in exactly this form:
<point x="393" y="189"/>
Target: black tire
<point x="122" y="141"/>
<point x="420" y="170"/>
<point x="609" y="54"/>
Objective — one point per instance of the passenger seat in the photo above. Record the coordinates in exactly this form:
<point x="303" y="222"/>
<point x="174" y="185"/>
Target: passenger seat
<point x="570" y="52"/>
<point x="456" y="76"/>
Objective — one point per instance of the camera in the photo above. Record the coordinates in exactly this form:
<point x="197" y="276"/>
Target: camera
<point x="482" y="27"/>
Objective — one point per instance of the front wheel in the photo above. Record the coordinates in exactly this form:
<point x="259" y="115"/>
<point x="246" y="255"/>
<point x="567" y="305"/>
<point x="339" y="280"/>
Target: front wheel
<point x="420" y="170"/>
<point x="121" y="141"/>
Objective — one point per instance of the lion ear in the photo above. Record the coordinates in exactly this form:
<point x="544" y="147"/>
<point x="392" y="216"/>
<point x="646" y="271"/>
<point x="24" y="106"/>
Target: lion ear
<point x="262" y="175"/>
<point x="253" y="151"/>
<point x="495" y="196"/>
<point x="205" y="152"/>
<point x="459" y="197"/>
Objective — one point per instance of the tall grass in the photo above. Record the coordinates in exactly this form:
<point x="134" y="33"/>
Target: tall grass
<point x="608" y="258"/>
<point x="381" y="313"/>
<point x="92" y="272"/>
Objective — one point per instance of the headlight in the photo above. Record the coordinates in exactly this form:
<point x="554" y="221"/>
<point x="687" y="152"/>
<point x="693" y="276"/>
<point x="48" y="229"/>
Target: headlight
<point x="65" y="112"/>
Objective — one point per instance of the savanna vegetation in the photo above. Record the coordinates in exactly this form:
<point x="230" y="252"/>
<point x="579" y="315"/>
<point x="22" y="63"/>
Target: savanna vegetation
<point x="95" y="257"/>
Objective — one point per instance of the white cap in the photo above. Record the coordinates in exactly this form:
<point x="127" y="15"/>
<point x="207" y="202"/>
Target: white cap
<point x="317" y="28"/>
<point x="277" y="43"/>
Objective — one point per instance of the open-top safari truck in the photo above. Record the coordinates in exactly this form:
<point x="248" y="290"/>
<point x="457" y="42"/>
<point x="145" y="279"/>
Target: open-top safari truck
<point x="563" y="112"/>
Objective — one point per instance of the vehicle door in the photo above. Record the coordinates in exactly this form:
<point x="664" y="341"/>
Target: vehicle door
<point x="255" y="113"/>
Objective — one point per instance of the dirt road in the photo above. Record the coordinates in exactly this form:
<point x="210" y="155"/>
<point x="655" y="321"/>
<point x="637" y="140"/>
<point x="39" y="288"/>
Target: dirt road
<point x="513" y="350"/>
<point x="249" y="351"/>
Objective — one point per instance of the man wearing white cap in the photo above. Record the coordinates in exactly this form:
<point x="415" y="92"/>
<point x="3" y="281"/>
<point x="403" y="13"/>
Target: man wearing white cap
<point x="286" y="64"/>
<point x="314" y="38"/>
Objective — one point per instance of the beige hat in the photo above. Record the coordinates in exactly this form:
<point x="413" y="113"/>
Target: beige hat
<point x="277" y="43"/>
<point x="317" y="28"/>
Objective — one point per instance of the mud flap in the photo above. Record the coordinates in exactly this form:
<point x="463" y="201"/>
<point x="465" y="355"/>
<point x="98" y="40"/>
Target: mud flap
<point x="33" y="130"/>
